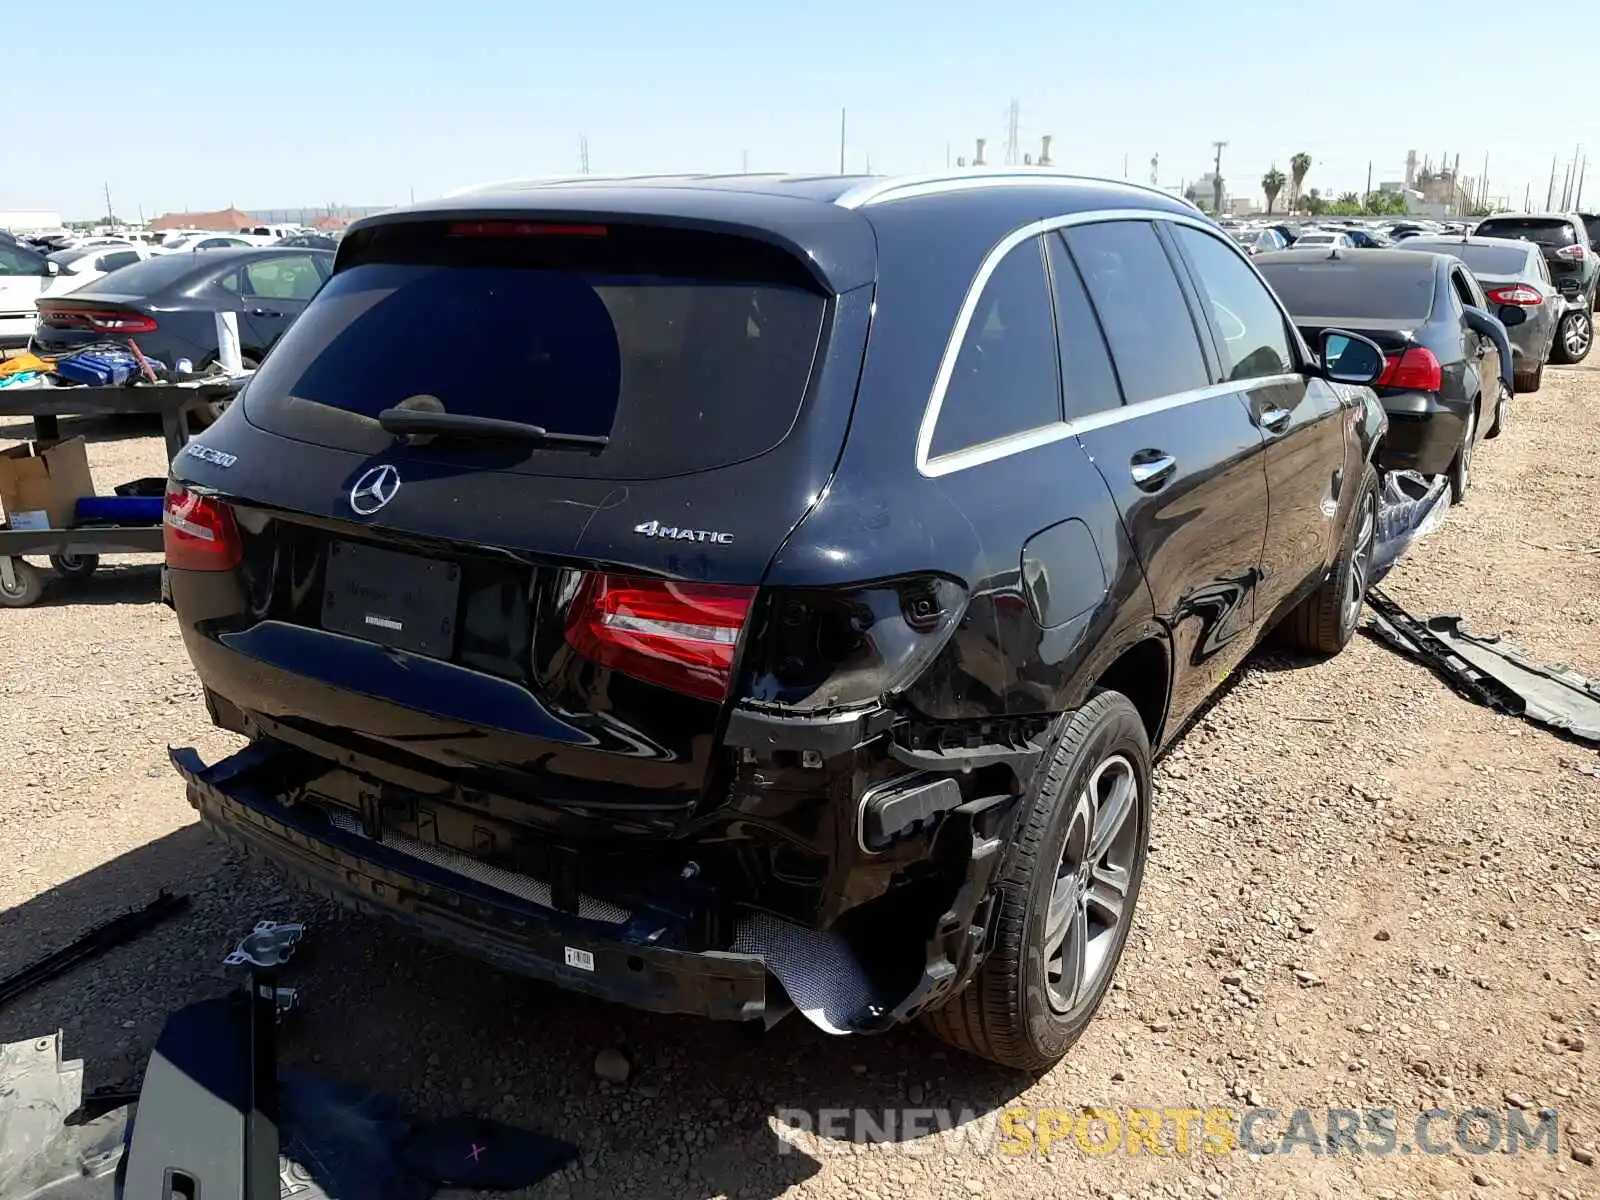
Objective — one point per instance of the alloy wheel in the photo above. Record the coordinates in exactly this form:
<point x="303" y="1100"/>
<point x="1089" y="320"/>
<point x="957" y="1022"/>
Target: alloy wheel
<point x="1088" y="903"/>
<point x="1360" y="562"/>
<point x="1575" y="335"/>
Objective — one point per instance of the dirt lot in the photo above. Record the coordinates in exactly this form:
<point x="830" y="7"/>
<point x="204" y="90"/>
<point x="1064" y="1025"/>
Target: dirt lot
<point x="1364" y="893"/>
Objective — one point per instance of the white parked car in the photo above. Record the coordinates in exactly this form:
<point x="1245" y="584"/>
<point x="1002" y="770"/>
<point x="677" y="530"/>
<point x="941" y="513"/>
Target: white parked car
<point x="204" y="241"/>
<point x="81" y="264"/>
<point x="24" y="276"/>
<point x="1321" y="239"/>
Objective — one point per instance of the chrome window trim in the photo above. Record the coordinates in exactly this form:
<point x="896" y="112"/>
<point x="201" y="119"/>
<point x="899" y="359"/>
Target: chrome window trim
<point x="1042" y="435"/>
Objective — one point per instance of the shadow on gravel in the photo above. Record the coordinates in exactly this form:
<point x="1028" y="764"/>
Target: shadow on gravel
<point x="113" y="582"/>
<point x="709" y="1108"/>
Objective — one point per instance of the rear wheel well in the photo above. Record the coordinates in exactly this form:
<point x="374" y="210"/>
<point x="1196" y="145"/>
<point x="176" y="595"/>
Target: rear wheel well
<point x="1140" y="674"/>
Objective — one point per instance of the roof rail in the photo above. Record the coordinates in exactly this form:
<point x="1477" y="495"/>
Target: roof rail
<point x="894" y="187"/>
<point x="500" y="185"/>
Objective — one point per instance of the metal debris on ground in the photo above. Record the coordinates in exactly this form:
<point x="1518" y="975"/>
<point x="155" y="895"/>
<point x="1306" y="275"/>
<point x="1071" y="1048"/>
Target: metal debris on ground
<point x="42" y="1156"/>
<point x="269" y="944"/>
<point x="1490" y="672"/>
<point x="1410" y="506"/>
<point x="95" y="942"/>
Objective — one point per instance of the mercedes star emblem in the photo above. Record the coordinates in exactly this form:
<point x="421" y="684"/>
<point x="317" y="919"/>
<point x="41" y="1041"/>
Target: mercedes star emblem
<point x="374" y="489"/>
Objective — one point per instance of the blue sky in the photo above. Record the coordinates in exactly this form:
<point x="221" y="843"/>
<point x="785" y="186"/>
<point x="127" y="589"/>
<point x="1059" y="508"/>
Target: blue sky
<point x="183" y="105"/>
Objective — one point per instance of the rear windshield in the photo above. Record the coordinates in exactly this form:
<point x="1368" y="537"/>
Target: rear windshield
<point x="1546" y="231"/>
<point x="1483" y="260"/>
<point x="683" y="369"/>
<point x="1350" y="290"/>
<point x="147" y="277"/>
<point x="1591" y="226"/>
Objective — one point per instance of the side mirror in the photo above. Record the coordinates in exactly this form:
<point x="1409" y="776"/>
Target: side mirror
<point x="51" y="268"/>
<point x="1349" y="358"/>
<point x="1510" y="315"/>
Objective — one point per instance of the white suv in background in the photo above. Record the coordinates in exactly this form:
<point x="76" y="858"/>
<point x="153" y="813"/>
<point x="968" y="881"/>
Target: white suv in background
<point x="25" y="274"/>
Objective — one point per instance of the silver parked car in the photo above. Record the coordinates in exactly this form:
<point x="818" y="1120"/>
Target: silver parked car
<point x="1513" y="275"/>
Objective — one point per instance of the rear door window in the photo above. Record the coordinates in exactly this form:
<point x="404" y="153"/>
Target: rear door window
<point x="689" y="351"/>
<point x="292" y="277"/>
<point x="1141" y="307"/>
<point x="1005" y="378"/>
<point x="1088" y="380"/>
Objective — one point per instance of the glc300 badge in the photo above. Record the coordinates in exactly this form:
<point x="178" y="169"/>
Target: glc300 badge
<point x="655" y="529"/>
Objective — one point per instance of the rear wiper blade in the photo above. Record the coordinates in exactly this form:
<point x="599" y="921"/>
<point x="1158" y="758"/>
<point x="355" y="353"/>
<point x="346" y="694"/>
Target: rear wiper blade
<point x="405" y="421"/>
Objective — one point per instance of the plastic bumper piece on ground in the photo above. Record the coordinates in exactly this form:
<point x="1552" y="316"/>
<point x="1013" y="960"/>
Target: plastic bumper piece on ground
<point x="444" y="906"/>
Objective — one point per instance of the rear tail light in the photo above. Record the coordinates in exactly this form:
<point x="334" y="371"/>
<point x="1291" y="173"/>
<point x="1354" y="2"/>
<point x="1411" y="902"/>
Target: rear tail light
<point x="1573" y="253"/>
<point x="198" y="532"/>
<point x="1519" y="294"/>
<point x="1417" y="370"/>
<point x="681" y="636"/>
<point x="97" y="320"/>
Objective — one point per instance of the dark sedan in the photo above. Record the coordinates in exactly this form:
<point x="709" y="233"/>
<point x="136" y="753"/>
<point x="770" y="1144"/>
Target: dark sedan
<point x="1512" y="275"/>
<point x="166" y="304"/>
<point x="1442" y="387"/>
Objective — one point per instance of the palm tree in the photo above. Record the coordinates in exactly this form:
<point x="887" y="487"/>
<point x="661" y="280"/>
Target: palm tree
<point x="1272" y="184"/>
<point x="1299" y="168"/>
<point x="1314" y="203"/>
<point x="1349" y="200"/>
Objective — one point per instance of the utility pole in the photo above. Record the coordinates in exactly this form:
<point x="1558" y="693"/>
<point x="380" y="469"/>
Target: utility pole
<point x="1566" y="184"/>
<point x="947" y="155"/>
<point x="841" y="141"/>
<point x="1527" y="195"/>
<point x="1550" y="192"/>
<point x="1583" y="173"/>
<point x="1216" y="179"/>
<point x="1124" y="166"/>
<point x="583" y="153"/>
<point x="1368" y="192"/>
<point x="1155" y="169"/>
<point x="110" y="216"/>
<point x="413" y="193"/>
<point x="1013" y="146"/>
<point x="744" y="162"/>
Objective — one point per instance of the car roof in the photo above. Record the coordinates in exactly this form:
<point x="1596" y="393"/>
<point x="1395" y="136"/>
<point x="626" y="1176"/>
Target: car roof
<point x="1456" y="239"/>
<point x="827" y="221"/>
<point x="1529" y="216"/>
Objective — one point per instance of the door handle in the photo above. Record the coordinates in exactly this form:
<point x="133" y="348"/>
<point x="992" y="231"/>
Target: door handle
<point x="264" y="312"/>
<point x="1151" y="469"/>
<point x="1275" y="420"/>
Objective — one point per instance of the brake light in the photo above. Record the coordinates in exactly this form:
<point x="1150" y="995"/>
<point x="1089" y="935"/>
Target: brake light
<point x="1519" y="294"/>
<point x="523" y="229"/>
<point x="99" y="320"/>
<point x="681" y="636"/>
<point x="1572" y="253"/>
<point x="198" y="532"/>
<point x="1417" y="370"/>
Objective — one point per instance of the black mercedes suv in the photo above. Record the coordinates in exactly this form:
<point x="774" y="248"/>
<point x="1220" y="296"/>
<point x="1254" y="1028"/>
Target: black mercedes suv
<point x="729" y="594"/>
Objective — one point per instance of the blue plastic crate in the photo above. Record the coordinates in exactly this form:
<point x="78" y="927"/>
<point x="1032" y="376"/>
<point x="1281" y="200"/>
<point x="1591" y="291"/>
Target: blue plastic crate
<point x="118" y="510"/>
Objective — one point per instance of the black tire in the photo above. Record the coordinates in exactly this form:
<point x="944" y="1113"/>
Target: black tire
<point x="1530" y="381"/>
<point x="27" y="588"/>
<point x="1012" y="1012"/>
<point x="1574" y="337"/>
<point x="1461" y="465"/>
<point x="1325" y="621"/>
<point x="203" y="416"/>
<point x="1502" y="414"/>
<point x="75" y="566"/>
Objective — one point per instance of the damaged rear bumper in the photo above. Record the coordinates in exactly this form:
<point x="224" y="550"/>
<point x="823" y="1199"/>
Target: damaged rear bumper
<point x="472" y="916"/>
<point x="621" y="958"/>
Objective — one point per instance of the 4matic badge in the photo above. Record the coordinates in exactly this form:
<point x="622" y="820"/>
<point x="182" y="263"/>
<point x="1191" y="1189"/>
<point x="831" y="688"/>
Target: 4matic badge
<point x="655" y="529"/>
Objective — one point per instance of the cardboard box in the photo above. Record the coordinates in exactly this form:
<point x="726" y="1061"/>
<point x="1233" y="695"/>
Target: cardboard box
<point x="40" y="483"/>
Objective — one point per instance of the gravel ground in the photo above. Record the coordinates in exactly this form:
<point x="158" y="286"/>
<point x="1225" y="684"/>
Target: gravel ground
<point x="1364" y="892"/>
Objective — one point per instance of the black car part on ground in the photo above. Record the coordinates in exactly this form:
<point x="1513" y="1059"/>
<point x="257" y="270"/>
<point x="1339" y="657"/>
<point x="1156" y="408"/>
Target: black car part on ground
<point x="1490" y="672"/>
<point x="92" y="944"/>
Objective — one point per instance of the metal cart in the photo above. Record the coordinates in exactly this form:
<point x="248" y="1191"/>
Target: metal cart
<point x="75" y="553"/>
